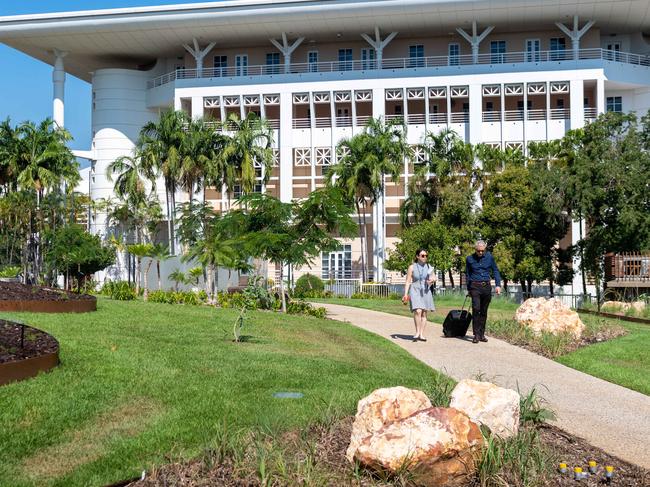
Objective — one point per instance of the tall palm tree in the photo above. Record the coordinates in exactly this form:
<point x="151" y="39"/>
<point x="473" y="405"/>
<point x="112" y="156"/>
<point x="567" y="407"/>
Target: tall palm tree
<point x="134" y="174"/>
<point x="160" y="143"/>
<point x="367" y="158"/>
<point x="141" y="251"/>
<point x="248" y="145"/>
<point x="160" y="253"/>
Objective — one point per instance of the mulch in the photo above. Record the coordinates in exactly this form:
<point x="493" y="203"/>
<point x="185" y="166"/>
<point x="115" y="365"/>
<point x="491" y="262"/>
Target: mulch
<point x="35" y="343"/>
<point x="14" y="291"/>
<point x="332" y="441"/>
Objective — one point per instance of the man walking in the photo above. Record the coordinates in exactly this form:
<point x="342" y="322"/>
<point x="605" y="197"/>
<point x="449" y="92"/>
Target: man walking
<point x="477" y="269"/>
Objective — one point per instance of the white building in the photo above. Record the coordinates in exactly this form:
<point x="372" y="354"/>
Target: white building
<point x="501" y="72"/>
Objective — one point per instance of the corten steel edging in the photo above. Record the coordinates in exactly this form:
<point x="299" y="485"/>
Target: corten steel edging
<point x="27" y="368"/>
<point x="632" y="319"/>
<point x="59" y="306"/>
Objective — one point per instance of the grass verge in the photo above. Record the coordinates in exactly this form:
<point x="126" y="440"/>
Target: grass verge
<point x="140" y="382"/>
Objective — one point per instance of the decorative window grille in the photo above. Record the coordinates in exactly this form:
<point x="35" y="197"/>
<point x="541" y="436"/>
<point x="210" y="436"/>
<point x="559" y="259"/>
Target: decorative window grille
<point x="515" y="146"/>
<point x="459" y="91"/>
<point x="276" y="158"/>
<point x="322" y="97"/>
<point x="302" y="156"/>
<point x="493" y="145"/>
<point x="341" y="152"/>
<point x="415" y="93"/>
<point x="363" y="95"/>
<point x="491" y="90"/>
<point x="419" y="155"/>
<point x="559" y="87"/>
<point x="212" y="102"/>
<point x="514" y="90"/>
<point x="231" y="101"/>
<point x="536" y="88"/>
<point x="438" y="92"/>
<point x="301" y="98"/>
<point x="251" y="100"/>
<point x="342" y="96"/>
<point x="272" y="99"/>
<point x="394" y="94"/>
<point x="323" y="156"/>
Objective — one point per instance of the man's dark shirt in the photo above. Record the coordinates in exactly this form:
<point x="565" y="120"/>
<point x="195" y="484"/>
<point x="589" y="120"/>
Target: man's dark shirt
<point x="477" y="268"/>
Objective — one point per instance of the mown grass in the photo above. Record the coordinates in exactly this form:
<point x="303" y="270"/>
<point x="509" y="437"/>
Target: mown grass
<point x="623" y="360"/>
<point x="140" y="382"/>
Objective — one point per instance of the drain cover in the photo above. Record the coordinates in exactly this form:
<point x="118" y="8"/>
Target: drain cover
<point x="288" y="395"/>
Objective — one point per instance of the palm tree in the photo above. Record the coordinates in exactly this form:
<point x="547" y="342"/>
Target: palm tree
<point x="160" y="143"/>
<point x="213" y="252"/>
<point x="160" y="253"/>
<point x="248" y="145"/>
<point x="141" y="251"/>
<point x="178" y="277"/>
<point x="133" y="174"/>
<point x="367" y="158"/>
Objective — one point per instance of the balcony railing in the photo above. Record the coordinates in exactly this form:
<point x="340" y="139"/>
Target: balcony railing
<point x="532" y="57"/>
<point x="628" y="267"/>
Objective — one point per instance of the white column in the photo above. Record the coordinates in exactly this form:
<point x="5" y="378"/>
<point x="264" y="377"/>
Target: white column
<point x="577" y="95"/>
<point x="600" y="96"/>
<point x="378" y="44"/>
<point x="58" y="81"/>
<point x="286" y="49"/>
<point x="197" y="107"/>
<point x="199" y="54"/>
<point x="502" y="90"/>
<point x="577" y="232"/>
<point x="312" y="124"/>
<point x="354" y="112"/>
<point x="242" y="108"/>
<point x="475" y="125"/>
<point x="575" y="34"/>
<point x="548" y="109"/>
<point x="379" y="209"/>
<point x="286" y="147"/>
<point x="525" y="125"/>
<point x="475" y="39"/>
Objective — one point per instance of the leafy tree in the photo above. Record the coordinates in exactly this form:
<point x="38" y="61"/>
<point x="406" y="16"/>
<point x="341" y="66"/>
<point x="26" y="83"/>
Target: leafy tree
<point x="74" y="252"/>
<point x="291" y="233"/>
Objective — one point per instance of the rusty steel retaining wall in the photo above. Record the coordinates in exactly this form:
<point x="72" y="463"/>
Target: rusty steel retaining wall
<point x="63" y="306"/>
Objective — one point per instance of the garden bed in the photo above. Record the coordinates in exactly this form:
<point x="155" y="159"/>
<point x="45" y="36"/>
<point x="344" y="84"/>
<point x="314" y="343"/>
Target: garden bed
<point x="616" y="316"/>
<point x="317" y="457"/>
<point x="21" y="297"/>
<point x="25" y="351"/>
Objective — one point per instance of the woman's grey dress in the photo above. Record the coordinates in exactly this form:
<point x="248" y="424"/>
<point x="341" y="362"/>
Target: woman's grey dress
<point x="420" y="294"/>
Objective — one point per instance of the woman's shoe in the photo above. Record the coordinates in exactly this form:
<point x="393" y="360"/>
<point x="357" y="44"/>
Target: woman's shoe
<point x="422" y="339"/>
<point x="416" y="339"/>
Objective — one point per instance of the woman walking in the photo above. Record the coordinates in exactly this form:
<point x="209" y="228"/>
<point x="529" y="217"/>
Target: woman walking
<point x="417" y="291"/>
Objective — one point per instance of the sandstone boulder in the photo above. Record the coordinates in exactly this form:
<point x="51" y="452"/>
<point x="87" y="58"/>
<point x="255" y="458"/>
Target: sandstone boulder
<point x="550" y="315"/>
<point x="489" y="405"/>
<point x="438" y="446"/>
<point x="622" y="306"/>
<point x="382" y="407"/>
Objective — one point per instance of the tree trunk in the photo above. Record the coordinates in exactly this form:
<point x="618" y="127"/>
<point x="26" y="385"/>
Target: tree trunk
<point x="282" y="297"/>
<point x="146" y="279"/>
<point x="365" y="240"/>
<point x="158" y="271"/>
<point x="551" y="288"/>
<point x="170" y="242"/>
<point x="137" y="276"/>
<point x="451" y="279"/>
<point x="505" y="285"/>
<point x="582" y="263"/>
<point x="361" y="233"/>
<point x="208" y="280"/>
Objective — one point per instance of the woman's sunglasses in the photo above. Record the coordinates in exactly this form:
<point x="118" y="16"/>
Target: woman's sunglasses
<point x="424" y="255"/>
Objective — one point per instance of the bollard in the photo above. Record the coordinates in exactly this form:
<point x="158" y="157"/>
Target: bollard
<point x="577" y="473"/>
<point x="609" y="474"/>
<point x="592" y="466"/>
<point x="563" y="468"/>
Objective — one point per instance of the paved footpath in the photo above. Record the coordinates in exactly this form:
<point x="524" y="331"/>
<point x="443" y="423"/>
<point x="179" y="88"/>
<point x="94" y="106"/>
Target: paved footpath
<point x="609" y="416"/>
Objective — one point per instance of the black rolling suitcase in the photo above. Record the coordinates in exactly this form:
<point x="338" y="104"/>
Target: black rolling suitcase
<point x="457" y="322"/>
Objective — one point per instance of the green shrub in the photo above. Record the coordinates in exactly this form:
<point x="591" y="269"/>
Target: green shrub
<point x="395" y="296"/>
<point x="159" y="296"/>
<point x="303" y="308"/>
<point x="119" y="290"/>
<point x="9" y="272"/>
<point x="316" y="294"/>
<point x="308" y="283"/>
<point x="361" y="296"/>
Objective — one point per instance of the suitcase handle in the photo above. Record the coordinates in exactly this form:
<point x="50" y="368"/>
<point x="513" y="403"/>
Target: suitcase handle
<point x="463" y="306"/>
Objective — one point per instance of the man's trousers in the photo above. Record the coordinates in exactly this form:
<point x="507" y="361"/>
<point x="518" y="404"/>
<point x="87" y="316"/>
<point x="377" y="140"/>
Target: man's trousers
<point x="481" y="293"/>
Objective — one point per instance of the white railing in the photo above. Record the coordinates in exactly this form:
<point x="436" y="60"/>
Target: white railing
<point x="362" y="120"/>
<point x="459" y="117"/>
<point x="560" y="114"/>
<point x="537" y="114"/>
<point x="301" y="123"/>
<point x="437" y="118"/>
<point x="491" y="116"/>
<point x="416" y="118"/>
<point x="591" y="113"/>
<point x="404" y="63"/>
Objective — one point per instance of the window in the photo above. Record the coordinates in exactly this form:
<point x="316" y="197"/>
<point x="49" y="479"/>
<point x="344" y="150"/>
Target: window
<point x="220" y="65"/>
<point x="585" y="102"/>
<point x="532" y="50"/>
<point x="520" y="105"/>
<point x="273" y="63"/>
<point x="498" y="52"/>
<point x="614" y="104"/>
<point x="466" y="107"/>
<point x="398" y="109"/>
<point x="312" y="60"/>
<point x="345" y="59"/>
<point x="559" y="103"/>
<point x="434" y="108"/>
<point x="613" y="52"/>
<point x="454" y="54"/>
<point x="337" y="264"/>
<point x="489" y="106"/>
<point x="368" y="58"/>
<point x="558" y="46"/>
<point x="416" y="56"/>
<point x="241" y="65"/>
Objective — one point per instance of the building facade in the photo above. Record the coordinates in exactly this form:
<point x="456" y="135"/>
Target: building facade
<point x="499" y="72"/>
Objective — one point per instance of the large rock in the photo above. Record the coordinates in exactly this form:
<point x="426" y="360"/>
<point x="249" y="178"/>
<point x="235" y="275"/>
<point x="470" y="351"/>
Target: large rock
<point x="489" y="405"/>
<point x="438" y="446"/>
<point x="382" y="407"/>
<point x="550" y="315"/>
<point x="618" y="306"/>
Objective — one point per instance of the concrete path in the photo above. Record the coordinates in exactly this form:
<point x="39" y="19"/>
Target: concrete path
<point x="609" y="416"/>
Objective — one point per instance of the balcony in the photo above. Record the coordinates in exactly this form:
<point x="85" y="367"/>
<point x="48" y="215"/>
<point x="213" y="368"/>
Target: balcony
<point x="630" y="269"/>
<point x="532" y="58"/>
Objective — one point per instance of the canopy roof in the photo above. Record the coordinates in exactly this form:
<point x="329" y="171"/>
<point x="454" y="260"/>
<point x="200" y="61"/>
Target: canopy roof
<point x="135" y="37"/>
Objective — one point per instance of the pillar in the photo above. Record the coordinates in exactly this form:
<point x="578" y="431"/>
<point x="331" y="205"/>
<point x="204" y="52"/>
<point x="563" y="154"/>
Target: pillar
<point x="286" y="147"/>
<point x="58" y="81"/>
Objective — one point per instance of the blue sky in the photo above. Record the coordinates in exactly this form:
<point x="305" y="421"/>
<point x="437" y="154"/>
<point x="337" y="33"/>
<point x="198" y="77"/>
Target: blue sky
<point x="27" y="84"/>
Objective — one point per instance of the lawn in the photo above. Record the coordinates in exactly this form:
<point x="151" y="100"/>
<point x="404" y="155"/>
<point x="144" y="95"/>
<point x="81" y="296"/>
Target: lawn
<point x="141" y="383"/>
<point x="624" y="360"/>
